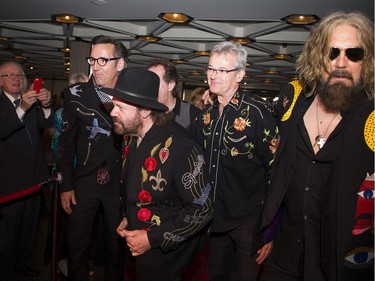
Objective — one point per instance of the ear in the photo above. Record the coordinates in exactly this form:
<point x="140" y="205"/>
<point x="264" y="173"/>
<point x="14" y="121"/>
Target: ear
<point x="171" y="86"/>
<point x="121" y="64"/>
<point x="145" y="113"/>
<point x="240" y="74"/>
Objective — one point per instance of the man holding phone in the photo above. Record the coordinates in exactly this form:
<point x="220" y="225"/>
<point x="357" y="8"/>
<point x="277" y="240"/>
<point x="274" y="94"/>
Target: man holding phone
<point x="92" y="183"/>
<point x="23" y="168"/>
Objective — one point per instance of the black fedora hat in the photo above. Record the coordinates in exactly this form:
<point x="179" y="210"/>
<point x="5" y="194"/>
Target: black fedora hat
<point x="138" y="87"/>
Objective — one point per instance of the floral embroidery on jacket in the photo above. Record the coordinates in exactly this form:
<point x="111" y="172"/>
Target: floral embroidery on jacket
<point x="144" y="197"/>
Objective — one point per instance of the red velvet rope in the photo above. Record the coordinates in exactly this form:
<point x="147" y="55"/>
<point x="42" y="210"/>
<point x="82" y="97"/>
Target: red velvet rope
<point x="19" y="194"/>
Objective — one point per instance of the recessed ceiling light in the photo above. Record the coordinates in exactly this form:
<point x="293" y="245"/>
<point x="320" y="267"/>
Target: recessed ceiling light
<point x="242" y="41"/>
<point x="66" y="18"/>
<point x="281" y="56"/>
<point x="195" y="73"/>
<point x="148" y="38"/>
<point x="98" y="2"/>
<point x="175" y="17"/>
<point x="65" y="50"/>
<point x="301" y="19"/>
<point x="271" y="71"/>
<point x="202" y="53"/>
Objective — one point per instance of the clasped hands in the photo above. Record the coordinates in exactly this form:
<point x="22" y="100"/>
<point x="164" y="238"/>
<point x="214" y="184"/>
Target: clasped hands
<point x="137" y="240"/>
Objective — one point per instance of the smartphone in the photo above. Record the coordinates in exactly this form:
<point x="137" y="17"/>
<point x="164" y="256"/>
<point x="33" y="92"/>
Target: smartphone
<point x="37" y="84"/>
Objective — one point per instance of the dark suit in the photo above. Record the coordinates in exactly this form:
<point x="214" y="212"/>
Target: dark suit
<point x="87" y="136"/>
<point x="179" y="203"/>
<point x="22" y="166"/>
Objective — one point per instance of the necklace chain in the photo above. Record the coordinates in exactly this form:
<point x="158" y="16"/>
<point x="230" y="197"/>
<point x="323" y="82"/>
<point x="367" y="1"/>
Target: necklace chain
<point x="320" y="140"/>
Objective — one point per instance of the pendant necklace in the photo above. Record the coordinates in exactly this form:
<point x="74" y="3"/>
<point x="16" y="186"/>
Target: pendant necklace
<point x="320" y="139"/>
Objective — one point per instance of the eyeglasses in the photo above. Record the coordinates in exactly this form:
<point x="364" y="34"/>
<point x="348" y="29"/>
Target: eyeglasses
<point x="101" y="61"/>
<point x="13" y="76"/>
<point x="219" y="72"/>
<point x="353" y="54"/>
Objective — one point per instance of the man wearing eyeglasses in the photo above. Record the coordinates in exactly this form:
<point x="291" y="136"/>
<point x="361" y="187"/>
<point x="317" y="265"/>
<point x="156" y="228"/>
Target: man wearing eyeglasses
<point x="23" y="168"/>
<point x="320" y="199"/>
<point x="92" y="184"/>
<point x="237" y="133"/>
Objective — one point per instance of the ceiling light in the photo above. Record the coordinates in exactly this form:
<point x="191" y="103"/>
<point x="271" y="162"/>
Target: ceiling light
<point x="281" y="56"/>
<point x="175" y="17"/>
<point x="66" y="18"/>
<point x="66" y="63"/>
<point x="65" y="50"/>
<point x="98" y="2"/>
<point x="148" y="38"/>
<point x="20" y="57"/>
<point x="301" y="19"/>
<point x="179" y="61"/>
<point x="242" y="41"/>
<point x="271" y="71"/>
<point x="3" y="38"/>
<point x="195" y="73"/>
<point x="202" y="53"/>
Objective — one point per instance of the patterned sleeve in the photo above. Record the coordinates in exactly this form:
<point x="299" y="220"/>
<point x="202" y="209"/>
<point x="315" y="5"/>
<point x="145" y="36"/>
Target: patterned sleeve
<point x="67" y="143"/>
<point x="194" y="190"/>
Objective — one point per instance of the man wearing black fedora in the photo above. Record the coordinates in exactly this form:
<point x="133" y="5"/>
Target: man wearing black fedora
<point x="165" y="184"/>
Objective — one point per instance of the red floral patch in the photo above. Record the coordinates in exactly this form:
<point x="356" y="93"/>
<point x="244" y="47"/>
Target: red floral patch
<point x="144" y="196"/>
<point x="144" y="214"/>
<point x="150" y="164"/>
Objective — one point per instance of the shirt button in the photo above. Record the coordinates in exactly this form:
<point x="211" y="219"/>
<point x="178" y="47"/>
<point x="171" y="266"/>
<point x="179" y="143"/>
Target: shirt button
<point x="217" y="133"/>
<point x="213" y="166"/>
<point x="305" y="217"/>
<point x="307" y="188"/>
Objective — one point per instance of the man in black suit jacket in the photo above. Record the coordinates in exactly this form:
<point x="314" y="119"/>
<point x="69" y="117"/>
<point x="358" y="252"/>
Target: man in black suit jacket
<point x="22" y="168"/>
<point x="92" y="180"/>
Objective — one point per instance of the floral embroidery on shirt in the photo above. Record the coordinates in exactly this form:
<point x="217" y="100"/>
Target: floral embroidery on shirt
<point x="235" y="141"/>
<point x="273" y="141"/>
<point x="207" y="118"/>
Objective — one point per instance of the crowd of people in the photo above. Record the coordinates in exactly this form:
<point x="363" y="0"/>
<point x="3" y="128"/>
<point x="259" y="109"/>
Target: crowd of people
<point x="274" y="193"/>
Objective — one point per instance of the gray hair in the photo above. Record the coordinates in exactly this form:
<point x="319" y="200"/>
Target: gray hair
<point x="78" y="77"/>
<point x="234" y="48"/>
<point x="22" y="71"/>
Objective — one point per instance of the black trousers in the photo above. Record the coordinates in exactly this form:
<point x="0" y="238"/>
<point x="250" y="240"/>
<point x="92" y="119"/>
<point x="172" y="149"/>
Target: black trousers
<point x="18" y="227"/>
<point x="80" y="228"/>
<point x="229" y="256"/>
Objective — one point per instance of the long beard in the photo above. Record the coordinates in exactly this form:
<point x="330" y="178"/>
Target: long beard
<point x="338" y="96"/>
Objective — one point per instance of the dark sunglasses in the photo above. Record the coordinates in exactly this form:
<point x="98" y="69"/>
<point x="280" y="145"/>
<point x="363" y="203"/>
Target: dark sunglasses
<point x="353" y="54"/>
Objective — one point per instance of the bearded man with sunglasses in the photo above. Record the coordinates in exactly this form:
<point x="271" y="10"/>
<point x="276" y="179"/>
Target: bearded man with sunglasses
<point x="89" y="162"/>
<point x="320" y="200"/>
